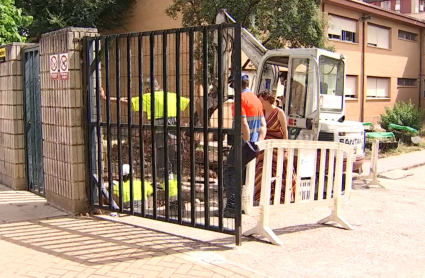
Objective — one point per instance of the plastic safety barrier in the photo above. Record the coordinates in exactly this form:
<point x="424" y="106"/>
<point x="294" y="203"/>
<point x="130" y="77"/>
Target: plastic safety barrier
<point x="317" y="184"/>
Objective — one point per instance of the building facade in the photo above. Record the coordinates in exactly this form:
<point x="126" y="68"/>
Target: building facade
<point x="383" y="51"/>
<point x="400" y="6"/>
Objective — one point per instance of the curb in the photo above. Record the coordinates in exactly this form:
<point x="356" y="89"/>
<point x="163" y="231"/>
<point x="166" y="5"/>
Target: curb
<point x="360" y="177"/>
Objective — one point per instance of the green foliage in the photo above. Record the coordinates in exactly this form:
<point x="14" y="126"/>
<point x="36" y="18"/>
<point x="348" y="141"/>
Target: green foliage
<point x="13" y="23"/>
<point x="282" y="23"/>
<point x="403" y="113"/>
<point x="50" y="15"/>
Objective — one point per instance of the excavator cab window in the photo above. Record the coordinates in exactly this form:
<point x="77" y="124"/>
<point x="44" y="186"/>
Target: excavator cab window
<point x="302" y="99"/>
<point x="273" y="78"/>
<point x="331" y="84"/>
<point x="294" y="80"/>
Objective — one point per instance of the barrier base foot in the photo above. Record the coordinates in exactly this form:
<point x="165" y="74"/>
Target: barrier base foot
<point x="265" y="232"/>
<point x="375" y="182"/>
<point x="337" y="217"/>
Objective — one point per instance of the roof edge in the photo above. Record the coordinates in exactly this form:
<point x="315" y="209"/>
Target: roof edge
<point x="368" y="8"/>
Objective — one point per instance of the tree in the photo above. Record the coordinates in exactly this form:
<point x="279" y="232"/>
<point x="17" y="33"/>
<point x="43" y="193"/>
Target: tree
<point x="277" y="23"/>
<point x="50" y="15"/>
<point x="13" y="23"/>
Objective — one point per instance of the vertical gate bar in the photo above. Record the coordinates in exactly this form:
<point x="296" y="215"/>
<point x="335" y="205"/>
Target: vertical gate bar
<point x="35" y="186"/>
<point x="152" y="89"/>
<point x="205" y="123"/>
<point x="87" y="86"/>
<point x="37" y="110"/>
<point x="238" y="135"/>
<point x="179" y="158"/>
<point x="118" y="84"/>
<point x="40" y="119"/>
<point x="25" y="106"/>
<point x="192" y="126"/>
<point x="31" y="86"/>
<point x="165" y="90"/>
<point x="141" y="133"/>
<point x="220" y="127"/>
<point x="98" y="123"/>
<point x="130" y="123"/>
<point x="27" y="120"/>
<point x="108" y="122"/>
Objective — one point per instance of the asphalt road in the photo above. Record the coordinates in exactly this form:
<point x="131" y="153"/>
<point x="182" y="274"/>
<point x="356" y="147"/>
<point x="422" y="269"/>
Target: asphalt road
<point x="388" y="240"/>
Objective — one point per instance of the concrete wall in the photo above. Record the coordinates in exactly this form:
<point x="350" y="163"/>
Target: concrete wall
<point x="400" y="61"/>
<point x="63" y="121"/>
<point x="12" y="141"/>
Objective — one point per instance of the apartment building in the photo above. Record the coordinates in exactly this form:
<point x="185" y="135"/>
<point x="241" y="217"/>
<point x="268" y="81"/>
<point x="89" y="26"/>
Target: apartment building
<point x="384" y="49"/>
<point x="400" y="6"/>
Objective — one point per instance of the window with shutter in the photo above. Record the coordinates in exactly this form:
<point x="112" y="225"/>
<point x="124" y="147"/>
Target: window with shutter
<point x="378" y="87"/>
<point x="341" y="28"/>
<point x="378" y="36"/>
<point x="351" y="86"/>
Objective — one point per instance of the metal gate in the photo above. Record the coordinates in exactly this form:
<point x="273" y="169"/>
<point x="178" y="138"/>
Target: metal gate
<point x="153" y="150"/>
<point x="33" y="124"/>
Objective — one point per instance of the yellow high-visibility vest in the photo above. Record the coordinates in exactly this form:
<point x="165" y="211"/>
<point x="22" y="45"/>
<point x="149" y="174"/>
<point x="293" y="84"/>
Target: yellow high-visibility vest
<point x="137" y="190"/>
<point x="159" y="104"/>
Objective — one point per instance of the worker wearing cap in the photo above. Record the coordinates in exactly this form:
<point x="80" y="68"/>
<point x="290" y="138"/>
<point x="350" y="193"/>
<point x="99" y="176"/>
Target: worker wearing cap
<point x="253" y="129"/>
<point x="159" y="133"/>
<point x="137" y="189"/>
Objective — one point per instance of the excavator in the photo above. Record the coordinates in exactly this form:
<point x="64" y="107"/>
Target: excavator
<point x="311" y="82"/>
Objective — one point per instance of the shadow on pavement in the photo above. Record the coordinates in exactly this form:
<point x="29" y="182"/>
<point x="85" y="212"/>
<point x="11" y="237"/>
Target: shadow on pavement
<point x="96" y="242"/>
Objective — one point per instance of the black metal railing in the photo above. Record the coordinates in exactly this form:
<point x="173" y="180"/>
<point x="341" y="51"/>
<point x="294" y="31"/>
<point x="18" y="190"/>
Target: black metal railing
<point x="173" y="139"/>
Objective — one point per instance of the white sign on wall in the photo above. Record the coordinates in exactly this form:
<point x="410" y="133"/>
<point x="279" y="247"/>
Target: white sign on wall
<point x="64" y="66"/>
<point x="54" y="67"/>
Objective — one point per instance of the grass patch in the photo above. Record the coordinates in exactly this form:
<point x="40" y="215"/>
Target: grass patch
<point x="402" y="149"/>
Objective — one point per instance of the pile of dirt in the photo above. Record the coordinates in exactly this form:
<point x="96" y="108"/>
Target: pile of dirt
<point x="147" y="151"/>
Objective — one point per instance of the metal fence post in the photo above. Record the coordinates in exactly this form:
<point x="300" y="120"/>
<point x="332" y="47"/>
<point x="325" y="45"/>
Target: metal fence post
<point x="238" y="134"/>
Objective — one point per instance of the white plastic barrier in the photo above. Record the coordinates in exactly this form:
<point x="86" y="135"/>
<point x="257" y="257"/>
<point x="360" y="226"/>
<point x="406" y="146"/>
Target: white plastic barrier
<point x="373" y="173"/>
<point x="328" y="186"/>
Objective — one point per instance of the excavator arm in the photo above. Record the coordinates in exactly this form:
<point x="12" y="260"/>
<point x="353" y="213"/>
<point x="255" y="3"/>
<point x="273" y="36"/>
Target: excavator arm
<point x="250" y="45"/>
<point x="253" y="49"/>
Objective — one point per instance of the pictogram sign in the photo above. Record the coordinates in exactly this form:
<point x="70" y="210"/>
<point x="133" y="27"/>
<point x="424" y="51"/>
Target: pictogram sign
<point x="54" y="67"/>
<point x="64" y="66"/>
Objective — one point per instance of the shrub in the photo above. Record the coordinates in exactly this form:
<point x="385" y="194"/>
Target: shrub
<point x="403" y="113"/>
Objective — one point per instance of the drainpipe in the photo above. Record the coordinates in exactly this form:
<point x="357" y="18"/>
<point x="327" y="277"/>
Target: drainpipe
<point x="420" y="66"/>
<point x="362" y="73"/>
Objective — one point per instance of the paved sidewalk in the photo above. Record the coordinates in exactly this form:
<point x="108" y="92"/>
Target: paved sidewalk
<point x="66" y="246"/>
<point x="399" y="162"/>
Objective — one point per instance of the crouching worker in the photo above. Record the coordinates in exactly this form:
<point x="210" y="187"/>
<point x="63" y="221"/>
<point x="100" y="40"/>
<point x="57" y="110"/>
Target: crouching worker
<point x="137" y="191"/>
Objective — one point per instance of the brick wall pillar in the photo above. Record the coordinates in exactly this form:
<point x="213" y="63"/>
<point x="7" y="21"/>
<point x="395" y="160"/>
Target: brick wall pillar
<point x="12" y="142"/>
<point x="63" y="121"/>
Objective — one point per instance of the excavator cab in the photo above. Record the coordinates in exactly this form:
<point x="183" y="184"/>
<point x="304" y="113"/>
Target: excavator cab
<point x="297" y="71"/>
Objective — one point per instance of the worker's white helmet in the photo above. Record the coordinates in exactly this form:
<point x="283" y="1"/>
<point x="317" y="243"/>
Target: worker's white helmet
<point x="126" y="169"/>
